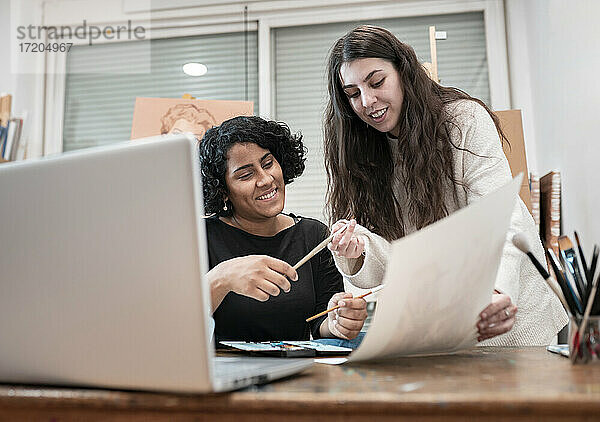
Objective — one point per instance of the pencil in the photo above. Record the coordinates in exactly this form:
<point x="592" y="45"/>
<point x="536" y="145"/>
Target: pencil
<point x="373" y="290"/>
<point x="318" y="248"/>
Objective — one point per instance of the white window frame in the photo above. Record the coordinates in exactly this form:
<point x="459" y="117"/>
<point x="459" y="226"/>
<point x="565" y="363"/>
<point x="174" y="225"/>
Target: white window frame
<point x="495" y="32"/>
<point x="265" y="16"/>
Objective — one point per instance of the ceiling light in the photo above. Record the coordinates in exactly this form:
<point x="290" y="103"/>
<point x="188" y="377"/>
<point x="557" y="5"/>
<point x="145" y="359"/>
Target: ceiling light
<point x="194" y="69"/>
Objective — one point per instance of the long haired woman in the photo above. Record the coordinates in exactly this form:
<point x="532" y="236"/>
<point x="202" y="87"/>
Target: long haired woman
<point x="401" y="152"/>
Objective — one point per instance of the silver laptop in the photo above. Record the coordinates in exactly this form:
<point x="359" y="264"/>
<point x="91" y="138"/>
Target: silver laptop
<point x="102" y="263"/>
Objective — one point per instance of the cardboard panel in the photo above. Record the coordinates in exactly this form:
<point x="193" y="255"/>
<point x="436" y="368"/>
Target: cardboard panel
<point x="512" y="126"/>
<point x="156" y="116"/>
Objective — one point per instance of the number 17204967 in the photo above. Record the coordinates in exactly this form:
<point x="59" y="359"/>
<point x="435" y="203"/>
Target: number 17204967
<point x="34" y="47"/>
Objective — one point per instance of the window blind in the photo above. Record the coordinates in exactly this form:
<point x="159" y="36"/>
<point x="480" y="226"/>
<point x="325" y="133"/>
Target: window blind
<point x="99" y="106"/>
<point x="300" y="81"/>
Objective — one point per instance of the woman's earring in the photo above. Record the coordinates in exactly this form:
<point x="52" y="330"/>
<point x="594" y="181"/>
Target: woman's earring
<point x="224" y="205"/>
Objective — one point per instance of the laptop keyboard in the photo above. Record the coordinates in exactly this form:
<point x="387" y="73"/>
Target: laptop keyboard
<point x="231" y="373"/>
<point x="242" y="367"/>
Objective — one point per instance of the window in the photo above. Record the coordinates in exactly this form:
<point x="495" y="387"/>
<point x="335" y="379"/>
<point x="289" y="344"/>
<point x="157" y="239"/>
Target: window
<point x="99" y="106"/>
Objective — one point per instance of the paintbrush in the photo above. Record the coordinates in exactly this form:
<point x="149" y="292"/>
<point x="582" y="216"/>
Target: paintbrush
<point x="320" y="246"/>
<point x="594" y="262"/>
<point x="582" y="258"/>
<point x="521" y="242"/>
<point x="373" y="290"/>
<point x="586" y="270"/>
<point x="567" y="290"/>
<point x="568" y="273"/>
<point x="572" y="265"/>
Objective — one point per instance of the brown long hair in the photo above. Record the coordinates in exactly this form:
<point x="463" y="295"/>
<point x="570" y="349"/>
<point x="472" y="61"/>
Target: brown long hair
<point x="358" y="158"/>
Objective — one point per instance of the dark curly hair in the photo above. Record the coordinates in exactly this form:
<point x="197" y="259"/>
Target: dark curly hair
<point x="287" y="148"/>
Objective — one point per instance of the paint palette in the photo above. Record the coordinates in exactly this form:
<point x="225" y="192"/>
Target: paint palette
<point x="286" y="348"/>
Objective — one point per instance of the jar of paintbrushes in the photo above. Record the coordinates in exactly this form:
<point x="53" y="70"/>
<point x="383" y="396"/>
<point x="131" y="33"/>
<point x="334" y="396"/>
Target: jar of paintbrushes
<point x="584" y="339"/>
<point x="576" y="285"/>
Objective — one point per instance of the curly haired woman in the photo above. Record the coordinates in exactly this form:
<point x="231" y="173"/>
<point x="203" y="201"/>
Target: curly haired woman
<point x="256" y="295"/>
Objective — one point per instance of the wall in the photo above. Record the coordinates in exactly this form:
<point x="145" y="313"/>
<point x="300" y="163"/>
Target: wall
<point x="554" y="64"/>
<point x="6" y="78"/>
<point x="555" y="60"/>
<point x="25" y="86"/>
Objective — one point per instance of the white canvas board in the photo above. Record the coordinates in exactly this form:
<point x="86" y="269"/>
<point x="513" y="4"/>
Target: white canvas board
<point x="439" y="279"/>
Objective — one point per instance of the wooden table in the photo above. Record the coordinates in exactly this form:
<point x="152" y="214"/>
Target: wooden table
<point x="484" y="384"/>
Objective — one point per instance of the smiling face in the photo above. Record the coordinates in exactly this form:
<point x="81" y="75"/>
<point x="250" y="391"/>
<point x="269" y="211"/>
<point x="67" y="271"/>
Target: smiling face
<point x="374" y="90"/>
<point x="255" y="183"/>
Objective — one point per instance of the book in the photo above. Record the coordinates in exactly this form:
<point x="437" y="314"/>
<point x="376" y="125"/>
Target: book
<point x="14" y="138"/>
<point x="21" y="148"/>
<point x="550" y="210"/>
<point x="534" y="184"/>
<point x="13" y="141"/>
<point x="10" y="139"/>
<point x="3" y="137"/>
<point x="5" y="107"/>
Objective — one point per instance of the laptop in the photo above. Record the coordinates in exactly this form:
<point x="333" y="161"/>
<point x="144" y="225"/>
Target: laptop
<point x="102" y="263"/>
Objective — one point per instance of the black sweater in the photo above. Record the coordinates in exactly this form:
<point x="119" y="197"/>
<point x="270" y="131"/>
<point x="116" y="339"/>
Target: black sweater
<point x="281" y="317"/>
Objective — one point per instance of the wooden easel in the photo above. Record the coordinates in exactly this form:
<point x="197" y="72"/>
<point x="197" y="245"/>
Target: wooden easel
<point x="432" y="68"/>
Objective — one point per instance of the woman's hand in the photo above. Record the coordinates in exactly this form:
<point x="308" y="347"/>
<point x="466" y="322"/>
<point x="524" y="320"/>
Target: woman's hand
<point x="497" y="318"/>
<point x="255" y="276"/>
<point x="346" y="243"/>
<point x="346" y="321"/>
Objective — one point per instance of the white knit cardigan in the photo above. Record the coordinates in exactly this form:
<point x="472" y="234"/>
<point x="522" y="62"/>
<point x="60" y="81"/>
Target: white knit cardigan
<point x="482" y="170"/>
